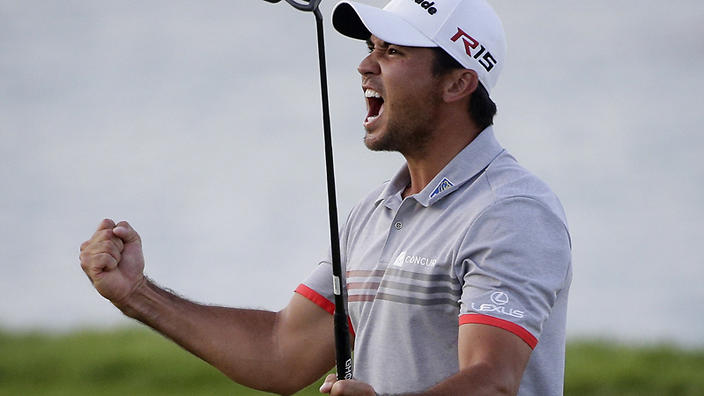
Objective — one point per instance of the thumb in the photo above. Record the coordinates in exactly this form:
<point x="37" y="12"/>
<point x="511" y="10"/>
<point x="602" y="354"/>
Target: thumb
<point x="124" y="231"/>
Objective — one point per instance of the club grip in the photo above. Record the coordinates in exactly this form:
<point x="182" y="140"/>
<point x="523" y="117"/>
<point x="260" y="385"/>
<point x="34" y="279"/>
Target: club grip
<point x="342" y="346"/>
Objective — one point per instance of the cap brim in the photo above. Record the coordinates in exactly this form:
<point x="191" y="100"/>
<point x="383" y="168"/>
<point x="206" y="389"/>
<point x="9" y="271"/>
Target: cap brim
<point x="360" y="21"/>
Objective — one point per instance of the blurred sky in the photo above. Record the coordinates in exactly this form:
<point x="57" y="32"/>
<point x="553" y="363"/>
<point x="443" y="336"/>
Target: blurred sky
<point x="199" y="122"/>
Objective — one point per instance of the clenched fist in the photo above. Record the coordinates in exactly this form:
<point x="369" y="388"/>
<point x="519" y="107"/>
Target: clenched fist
<point x="113" y="260"/>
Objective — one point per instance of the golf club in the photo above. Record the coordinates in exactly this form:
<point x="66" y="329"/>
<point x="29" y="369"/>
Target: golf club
<point x="343" y="354"/>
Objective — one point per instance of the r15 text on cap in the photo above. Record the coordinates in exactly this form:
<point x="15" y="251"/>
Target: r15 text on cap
<point x="487" y="61"/>
<point x="428" y="5"/>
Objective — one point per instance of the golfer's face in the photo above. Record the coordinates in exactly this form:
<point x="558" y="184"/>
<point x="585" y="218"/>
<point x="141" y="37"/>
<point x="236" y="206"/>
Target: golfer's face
<point x="400" y="92"/>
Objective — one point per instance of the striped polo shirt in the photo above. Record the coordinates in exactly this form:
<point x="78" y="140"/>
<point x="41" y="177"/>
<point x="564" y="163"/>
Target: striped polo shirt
<point x="484" y="242"/>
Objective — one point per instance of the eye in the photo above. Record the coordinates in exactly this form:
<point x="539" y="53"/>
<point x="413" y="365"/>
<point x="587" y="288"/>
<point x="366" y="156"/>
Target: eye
<point x="392" y="51"/>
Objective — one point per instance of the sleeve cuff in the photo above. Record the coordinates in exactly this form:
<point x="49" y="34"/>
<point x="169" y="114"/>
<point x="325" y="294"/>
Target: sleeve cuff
<point x="526" y="336"/>
<point x="322" y="302"/>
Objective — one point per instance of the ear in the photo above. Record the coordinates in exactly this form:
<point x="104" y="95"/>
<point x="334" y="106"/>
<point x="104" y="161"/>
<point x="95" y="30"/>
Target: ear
<point x="459" y="84"/>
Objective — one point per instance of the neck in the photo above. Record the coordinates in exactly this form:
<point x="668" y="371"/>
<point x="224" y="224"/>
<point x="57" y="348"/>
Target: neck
<point x="446" y="143"/>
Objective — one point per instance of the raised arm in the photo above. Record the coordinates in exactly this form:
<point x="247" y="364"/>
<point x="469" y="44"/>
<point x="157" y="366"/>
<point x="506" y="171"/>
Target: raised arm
<point x="278" y="352"/>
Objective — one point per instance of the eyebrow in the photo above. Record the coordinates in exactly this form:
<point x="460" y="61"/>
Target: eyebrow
<point x="371" y="45"/>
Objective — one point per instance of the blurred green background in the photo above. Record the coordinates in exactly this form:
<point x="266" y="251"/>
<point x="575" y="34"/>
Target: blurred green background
<point x="137" y="361"/>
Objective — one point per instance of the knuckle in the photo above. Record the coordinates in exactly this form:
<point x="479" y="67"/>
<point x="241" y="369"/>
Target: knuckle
<point x="89" y="246"/>
<point x="106" y="223"/>
<point x="99" y="247"/>
<point x="117" y="242"/>
<point x="104" y="259"/>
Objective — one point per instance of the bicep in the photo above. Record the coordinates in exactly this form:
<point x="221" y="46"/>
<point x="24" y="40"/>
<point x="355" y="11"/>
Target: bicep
<point x="305" y="336"/>
<point x="502" y="354"/>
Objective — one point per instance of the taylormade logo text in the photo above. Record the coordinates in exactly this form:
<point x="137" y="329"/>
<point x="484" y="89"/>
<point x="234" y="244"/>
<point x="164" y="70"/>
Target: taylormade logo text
<point x="427" y="5"/>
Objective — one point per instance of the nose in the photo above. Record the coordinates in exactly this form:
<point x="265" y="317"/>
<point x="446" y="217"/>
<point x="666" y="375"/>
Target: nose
<point x="368" y="65"/>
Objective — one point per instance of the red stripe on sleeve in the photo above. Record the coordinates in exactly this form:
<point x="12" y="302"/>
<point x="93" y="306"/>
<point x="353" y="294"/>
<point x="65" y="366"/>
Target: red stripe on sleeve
<point x="502" y="324"/>
<point x="315" y="297"/>
<point x="322" y="302"/>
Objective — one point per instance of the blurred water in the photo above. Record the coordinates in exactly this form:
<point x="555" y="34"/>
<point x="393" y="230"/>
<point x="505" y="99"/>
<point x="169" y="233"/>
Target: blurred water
<point x="200" y="123"/>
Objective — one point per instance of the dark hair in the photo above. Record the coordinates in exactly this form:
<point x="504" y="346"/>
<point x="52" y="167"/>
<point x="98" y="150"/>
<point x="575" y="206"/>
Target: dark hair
<point x="481" y="108"/>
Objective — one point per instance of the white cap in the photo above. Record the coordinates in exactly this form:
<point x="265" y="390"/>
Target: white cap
<point x="468" y="30"/>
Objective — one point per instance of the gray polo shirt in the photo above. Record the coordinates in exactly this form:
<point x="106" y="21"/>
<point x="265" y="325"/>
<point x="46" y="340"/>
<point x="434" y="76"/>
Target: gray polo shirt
<point x="485" y="242"/>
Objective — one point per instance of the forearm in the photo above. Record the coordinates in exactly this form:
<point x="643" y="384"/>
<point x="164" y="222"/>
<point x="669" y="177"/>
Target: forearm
<point x="241" y="343"/>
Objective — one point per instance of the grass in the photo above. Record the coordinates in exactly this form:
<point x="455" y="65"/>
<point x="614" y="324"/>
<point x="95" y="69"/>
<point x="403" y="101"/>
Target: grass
<point x="120" y="362"/>
<point x="602" y="368"/>
<point x="140" y="362"/>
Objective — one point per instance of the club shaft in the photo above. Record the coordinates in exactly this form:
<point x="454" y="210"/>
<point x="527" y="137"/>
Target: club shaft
<point x="343" y="353"/>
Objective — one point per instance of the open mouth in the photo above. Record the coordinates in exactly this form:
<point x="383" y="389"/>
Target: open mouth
<point x="375" y="105"/>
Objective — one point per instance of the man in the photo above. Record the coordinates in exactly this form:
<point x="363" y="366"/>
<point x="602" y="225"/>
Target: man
<point x="458" y="269"/>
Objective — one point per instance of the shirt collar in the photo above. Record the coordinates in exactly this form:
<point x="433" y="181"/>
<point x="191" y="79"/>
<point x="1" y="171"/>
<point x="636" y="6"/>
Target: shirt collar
<point x="469" y="162"/>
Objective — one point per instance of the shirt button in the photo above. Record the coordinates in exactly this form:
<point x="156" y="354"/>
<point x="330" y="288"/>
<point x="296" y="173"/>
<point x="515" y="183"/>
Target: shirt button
<point x="398" y="225"/>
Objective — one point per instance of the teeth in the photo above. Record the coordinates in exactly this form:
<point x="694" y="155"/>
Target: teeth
<point x="370" y="93"/>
